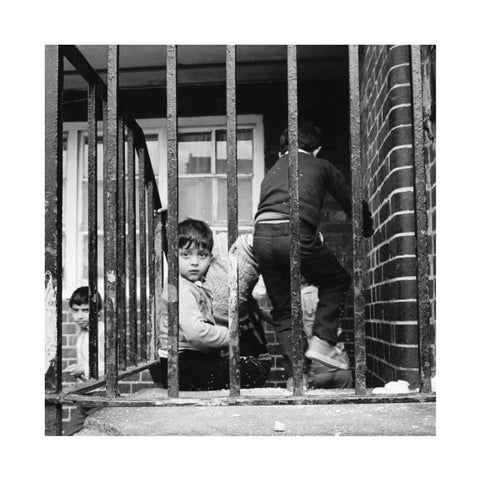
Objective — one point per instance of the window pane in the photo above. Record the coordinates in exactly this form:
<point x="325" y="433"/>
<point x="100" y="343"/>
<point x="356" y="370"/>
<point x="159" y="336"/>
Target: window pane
<point x="244" y="197"/>
<point x="84" y="224"/>
<point x="195" y="199"/>
<point x="99" y="263"/>
<point x="195" y="152"/>
<point x="152" y="147"/>
<point x="244" y="151"/>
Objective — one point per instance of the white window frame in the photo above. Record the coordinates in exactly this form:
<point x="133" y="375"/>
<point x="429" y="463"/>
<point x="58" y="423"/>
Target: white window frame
<point x="74" y="173"/>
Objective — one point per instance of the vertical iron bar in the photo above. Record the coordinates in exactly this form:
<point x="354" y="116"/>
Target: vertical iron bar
<point x="110" y="223"/>
<point x="121" y="267"/>
<point x="158" y="263"/>
<point x="151" y="330"/>
<point x="232" y="208"/>
<point x="105" y="160"/>
<point x="92" y="231"/>
<point x="423" y="298"/>
<point x="53" y="232"/>
<point x="172" y="228"/>
<point x="142" y="223"/>
<point x="132" y="248"/>
<point x="297" y="329"/>
<point x="357" y="222"/>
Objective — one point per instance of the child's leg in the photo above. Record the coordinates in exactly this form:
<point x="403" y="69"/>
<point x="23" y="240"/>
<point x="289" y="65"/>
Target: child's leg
<point x="342" y="379"/>
<point x="255" y="361"/>
<point x="202" y="371"/>
<point x="321" y="380"/>
<point x="320" y="267"/>
<point x="271" y="244"/>
<point x="253" y="371"/>
<point x="272" y="250"/>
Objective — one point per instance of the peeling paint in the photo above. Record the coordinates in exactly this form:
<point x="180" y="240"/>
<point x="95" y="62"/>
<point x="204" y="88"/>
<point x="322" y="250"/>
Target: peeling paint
<point x="50" y="320"/>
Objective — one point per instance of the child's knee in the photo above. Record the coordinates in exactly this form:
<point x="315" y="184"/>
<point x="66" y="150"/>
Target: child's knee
<point x="343" y="379"/>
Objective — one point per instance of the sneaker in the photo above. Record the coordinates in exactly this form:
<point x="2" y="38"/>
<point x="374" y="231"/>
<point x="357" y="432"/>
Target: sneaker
<point x="290" y="383"/>
<point x="325" y="353"/>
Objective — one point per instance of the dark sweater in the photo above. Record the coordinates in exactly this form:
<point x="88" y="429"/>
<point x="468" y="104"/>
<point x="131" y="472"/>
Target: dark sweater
<point x="316" y="176"/>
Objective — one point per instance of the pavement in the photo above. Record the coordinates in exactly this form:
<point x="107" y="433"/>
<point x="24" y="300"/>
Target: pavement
<point x="339" y="419"/>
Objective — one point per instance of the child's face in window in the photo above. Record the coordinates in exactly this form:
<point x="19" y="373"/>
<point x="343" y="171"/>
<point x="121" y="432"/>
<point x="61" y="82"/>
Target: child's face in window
<point x="193" y="262"/>
<point x="80" y="315"/>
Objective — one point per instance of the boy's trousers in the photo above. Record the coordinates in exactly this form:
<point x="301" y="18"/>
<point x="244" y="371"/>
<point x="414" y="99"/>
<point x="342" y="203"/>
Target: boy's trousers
<point x="211" y="371"/>
<point x="271" y="244"/>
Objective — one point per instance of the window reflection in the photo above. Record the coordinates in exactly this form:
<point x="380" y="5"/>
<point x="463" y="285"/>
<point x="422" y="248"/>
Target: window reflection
<point x="195" y="152"/>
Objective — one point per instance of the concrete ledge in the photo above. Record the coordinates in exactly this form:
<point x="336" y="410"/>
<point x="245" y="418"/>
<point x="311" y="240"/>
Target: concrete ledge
<point x="411" y="419"/>
<point x="157" y="397"/>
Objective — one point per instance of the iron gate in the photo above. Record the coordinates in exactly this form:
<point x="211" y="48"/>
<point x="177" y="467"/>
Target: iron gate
<point x="157" y="233"/>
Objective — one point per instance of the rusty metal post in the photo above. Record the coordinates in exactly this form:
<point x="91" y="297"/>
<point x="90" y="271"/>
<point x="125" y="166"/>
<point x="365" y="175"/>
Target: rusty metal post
<point x="121" y="253"/>
<point x="92" y="231"/>
<point x="110" y="223"/>
<point x="53" y="233"/>
<point x="297" y="328"/>
<point x="172" y="228"/>
<point x="357" y="222"/>
<point x="232" y="209"/>
<point x="105" y="160"/>
<point x="423" y="294"/>
<point x="142" y="244"/>
<point x="131" y="249"/>
<point x="151" y="330"/>
<point x="158" y="275"/>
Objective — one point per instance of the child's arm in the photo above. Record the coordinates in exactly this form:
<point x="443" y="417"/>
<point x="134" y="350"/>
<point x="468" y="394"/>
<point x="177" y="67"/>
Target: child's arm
<point x="338" y="187"/>
<point x="340" y="190"/>
<point x="195" y="326"/>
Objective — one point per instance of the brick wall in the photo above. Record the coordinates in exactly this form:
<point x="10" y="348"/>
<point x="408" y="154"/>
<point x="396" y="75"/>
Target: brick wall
<point x="429" y="115"/>
<point x="387" y="156"/>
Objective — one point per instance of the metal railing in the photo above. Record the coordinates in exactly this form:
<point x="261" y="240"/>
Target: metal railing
<point x="156" y="234"/>
<point x="120" y="226"/>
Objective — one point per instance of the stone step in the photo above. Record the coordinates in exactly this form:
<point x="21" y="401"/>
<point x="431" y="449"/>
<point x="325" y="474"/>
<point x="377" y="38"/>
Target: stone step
<point x="415" y="419"/>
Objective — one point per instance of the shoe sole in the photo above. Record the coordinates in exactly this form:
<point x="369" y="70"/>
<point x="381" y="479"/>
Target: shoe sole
<point x="323" y="359"/>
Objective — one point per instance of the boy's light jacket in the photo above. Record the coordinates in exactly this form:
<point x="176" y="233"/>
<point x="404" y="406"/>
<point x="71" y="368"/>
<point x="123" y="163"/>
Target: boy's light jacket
<point x="197" y="328"/>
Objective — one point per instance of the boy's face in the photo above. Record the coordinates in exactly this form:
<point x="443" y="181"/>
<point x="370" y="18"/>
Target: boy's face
<point x="193" y="262"/>
<point x="80" y="315"/>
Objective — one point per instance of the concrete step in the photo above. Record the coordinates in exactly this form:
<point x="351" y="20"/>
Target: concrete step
<point x="391" y="419"/>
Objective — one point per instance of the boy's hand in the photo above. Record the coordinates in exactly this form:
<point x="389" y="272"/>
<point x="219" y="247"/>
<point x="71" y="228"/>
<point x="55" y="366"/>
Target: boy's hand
<point x="75" y="370"/>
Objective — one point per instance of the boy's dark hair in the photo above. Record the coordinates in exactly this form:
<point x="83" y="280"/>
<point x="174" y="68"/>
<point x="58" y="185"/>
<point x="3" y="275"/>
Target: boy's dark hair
<point x="310" y="138"/>
<point x="80" y="297"/>
<point x="196" y="233"/>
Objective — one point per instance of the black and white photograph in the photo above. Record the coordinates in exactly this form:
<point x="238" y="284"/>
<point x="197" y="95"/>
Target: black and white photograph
<point x="221" y="234"/>
<point x="239" y="227"/>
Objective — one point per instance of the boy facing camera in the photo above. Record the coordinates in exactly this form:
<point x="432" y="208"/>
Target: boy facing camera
<point x="80" y="310"/>
<point x="203" y="344"/>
